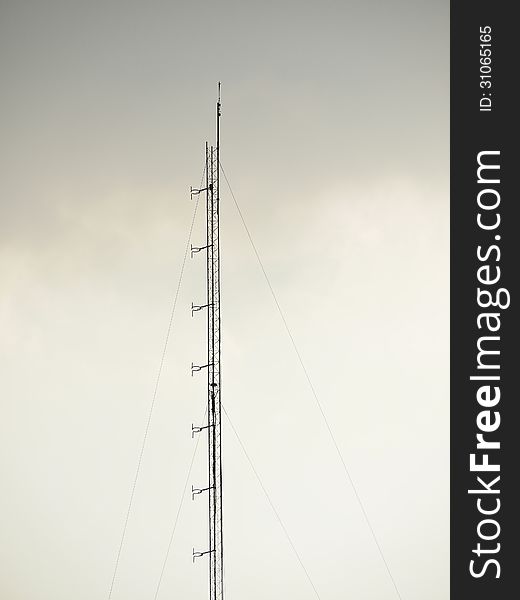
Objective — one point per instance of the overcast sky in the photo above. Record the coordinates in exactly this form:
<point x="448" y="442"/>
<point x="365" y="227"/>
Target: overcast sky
<point x="335" y="140"/>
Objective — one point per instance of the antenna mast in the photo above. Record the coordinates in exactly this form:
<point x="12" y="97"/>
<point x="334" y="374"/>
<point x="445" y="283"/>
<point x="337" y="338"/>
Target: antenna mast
<point x="213" y="426"/>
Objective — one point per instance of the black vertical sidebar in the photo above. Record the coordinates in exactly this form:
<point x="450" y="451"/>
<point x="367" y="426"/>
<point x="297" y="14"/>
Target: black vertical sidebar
<point x="485" y="250"/>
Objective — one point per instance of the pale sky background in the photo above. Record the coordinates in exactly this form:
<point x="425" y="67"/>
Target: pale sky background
<point x="335" y="139"/>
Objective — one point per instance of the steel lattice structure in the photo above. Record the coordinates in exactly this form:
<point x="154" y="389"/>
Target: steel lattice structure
<point x="213" y="426"/>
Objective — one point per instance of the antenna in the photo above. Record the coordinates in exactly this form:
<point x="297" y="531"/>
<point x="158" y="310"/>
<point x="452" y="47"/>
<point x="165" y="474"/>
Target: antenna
<point x="214" y="486"/>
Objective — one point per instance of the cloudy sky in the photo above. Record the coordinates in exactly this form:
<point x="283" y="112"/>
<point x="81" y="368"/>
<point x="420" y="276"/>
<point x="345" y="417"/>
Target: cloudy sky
<point x="335" y="141"/>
